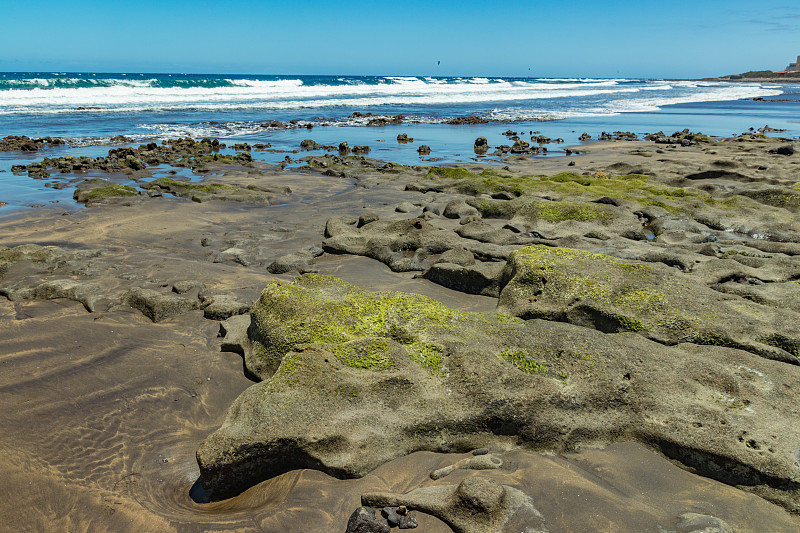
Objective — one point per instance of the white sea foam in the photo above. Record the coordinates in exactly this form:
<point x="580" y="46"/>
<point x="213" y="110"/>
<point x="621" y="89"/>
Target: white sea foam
<point x="585" y="95"/>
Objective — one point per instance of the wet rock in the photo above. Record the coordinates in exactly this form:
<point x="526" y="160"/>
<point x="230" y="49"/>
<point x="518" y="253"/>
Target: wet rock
<point x="472" y="119"/>
<point x="158" y="306"/>
<point x="424" y="149"/>
<point x="344" y="148"/>
<point x="359" y="149"/>
<point x="26" y="144"/>
<point x="481" y="144"/>
<point x="404" y="138"/>
<point x="224" y="306"/>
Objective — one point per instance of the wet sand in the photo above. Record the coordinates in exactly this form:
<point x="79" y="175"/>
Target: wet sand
<point x="103" y="411"/>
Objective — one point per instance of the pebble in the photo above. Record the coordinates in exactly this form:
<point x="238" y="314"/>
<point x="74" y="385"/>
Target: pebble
<point x="480" y="451"/>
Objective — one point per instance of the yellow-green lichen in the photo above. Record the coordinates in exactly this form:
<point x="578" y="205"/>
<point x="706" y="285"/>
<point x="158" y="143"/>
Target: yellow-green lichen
<point x="524" y="362"/>
<point x="365" y="330"/>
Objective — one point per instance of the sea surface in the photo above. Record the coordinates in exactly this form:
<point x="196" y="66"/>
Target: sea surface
<point x="88" y="109"/>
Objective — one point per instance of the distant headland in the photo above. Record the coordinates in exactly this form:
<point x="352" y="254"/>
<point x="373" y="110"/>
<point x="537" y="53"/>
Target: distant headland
<point x="790" y="74"/>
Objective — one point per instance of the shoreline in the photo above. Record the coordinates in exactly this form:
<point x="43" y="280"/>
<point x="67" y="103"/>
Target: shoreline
<point x="109" y="406"/>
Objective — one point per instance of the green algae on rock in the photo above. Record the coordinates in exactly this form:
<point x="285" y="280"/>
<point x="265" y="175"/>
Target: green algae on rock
<point x="611" y="294"/>
<point x="343" y="393"/>
<point x="365" y="330"/>
<point x="95" y="190"/>
<point x="203" y="192"/>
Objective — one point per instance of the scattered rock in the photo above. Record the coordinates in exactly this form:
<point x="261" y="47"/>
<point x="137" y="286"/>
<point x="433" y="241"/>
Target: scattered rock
<point x="363" y="520"/>
<point x="158" y="306"/>
<point x="224" y="306"/>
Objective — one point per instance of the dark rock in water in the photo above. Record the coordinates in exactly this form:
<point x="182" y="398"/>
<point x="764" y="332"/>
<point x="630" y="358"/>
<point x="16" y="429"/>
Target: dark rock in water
<point x="520" y="147"/>
<point x="158" y="306"/>
<point x="481" y="145"/>
<point x="404" y="138"/>
<point x="783" y="150"/>
<point x="359" y="149"/>
<point x="467" y="120"/>
<point x="308" y="144"/>
<point x="26" y="144"/>
<point x="584" y="137"/>
<point x="344" y="148"/>
<point x="424" y="149"/>
<point x="363" y="520"/>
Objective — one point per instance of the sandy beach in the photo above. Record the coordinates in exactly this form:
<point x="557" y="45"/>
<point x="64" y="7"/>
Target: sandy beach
<point x="114" y="374"/>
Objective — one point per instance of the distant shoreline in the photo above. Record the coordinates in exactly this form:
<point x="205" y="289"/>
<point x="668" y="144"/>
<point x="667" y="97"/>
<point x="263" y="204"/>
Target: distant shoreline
<point x="778" y="79"/>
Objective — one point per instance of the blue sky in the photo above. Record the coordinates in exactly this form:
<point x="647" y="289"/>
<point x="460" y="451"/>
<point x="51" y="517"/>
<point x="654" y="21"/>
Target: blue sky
<point x="585" y="38"/>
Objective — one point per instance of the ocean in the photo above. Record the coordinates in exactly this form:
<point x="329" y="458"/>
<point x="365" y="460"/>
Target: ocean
<point x="88" y="109"/>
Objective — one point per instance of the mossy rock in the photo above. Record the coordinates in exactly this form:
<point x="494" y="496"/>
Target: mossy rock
<point x="345" y="392"/>
<point x="567" y="185"/>
<point x="202" y="192"/>
<point x="374" y="331"/>
<point x="611" y="295"/>
<point x="94" y="191"/>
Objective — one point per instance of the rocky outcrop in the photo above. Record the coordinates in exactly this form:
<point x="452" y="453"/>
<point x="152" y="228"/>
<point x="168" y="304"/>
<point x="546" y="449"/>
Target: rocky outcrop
<point x="204" y="192"/>
<point x="653" y="300"/>
<point x="26" y="144"/>
<point x="99" y="191"/>
<point x="356" y="378"/>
